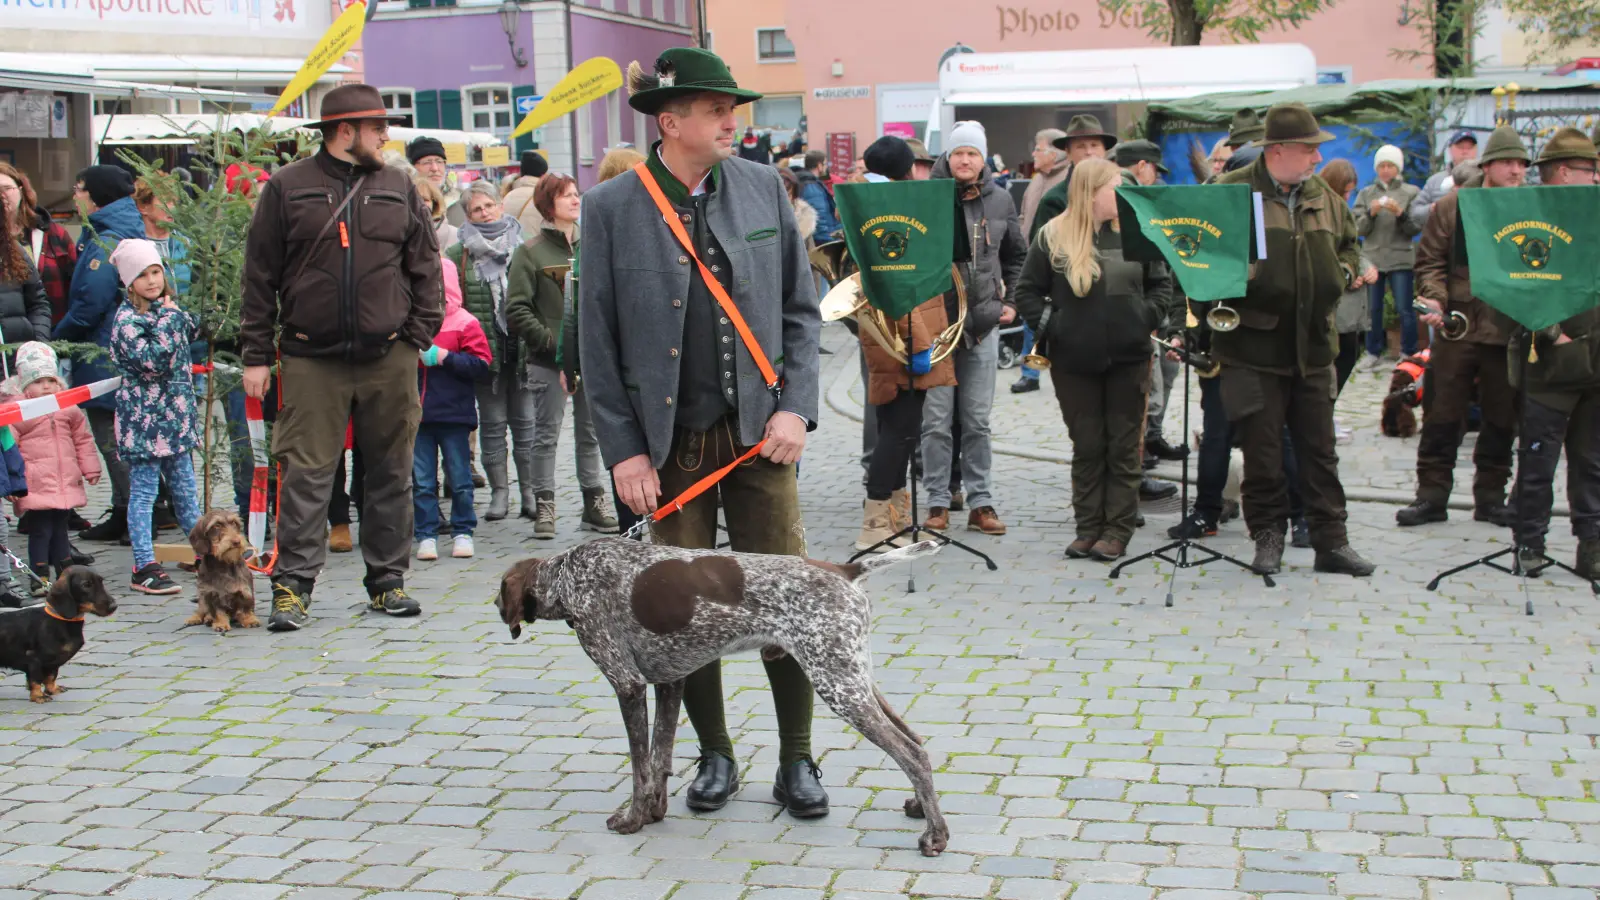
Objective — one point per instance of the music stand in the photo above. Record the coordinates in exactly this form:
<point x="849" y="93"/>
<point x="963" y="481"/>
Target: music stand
<point x="1184" y="546"/>
<point x="1491" y="561"/>
<point x="915" y="528"/>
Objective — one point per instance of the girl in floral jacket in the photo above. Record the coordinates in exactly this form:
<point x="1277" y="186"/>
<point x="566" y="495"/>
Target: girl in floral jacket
<point x="157" y="425"/>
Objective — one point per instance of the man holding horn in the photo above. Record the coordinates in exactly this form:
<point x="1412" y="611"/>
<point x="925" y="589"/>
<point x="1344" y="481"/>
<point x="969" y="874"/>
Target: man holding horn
<point x="699" y="332"/>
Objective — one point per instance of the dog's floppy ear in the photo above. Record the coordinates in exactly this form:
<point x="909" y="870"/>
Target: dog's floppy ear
<point x="200" y="534"/>
<point x="63" y="598"/>
<point x="516" y="587"/>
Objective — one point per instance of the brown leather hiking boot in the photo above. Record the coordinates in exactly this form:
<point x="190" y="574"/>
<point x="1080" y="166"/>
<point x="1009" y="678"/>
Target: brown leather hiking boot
<point x="938" y="518"/>
<point x="1080" y="548"/>
<point x="1107" y="550"/>
<point x="985" y="519"/>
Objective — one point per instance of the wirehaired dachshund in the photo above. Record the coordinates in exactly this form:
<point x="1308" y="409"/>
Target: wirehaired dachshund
<point x="38" y="640"/>
<point x="651" y="614"/>
<point x="224" y="588"/>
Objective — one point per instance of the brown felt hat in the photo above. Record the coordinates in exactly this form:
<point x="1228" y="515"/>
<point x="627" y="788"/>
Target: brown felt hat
<point x="1292" y="123"/>
<point x="1504" y="143"/>
<point x="1085" y="127"/>
<point x="1245" y="127"/>
<point x="1567" y="143"/>
<point x="352" y="103"/>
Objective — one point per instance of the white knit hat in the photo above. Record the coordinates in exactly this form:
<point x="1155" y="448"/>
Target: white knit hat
<point x="969" y="134"/>
<point x="1389" y="153"/>
<point x="132" y="256"/>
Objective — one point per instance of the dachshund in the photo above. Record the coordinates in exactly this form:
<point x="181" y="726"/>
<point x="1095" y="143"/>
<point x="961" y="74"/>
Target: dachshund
<point x="38" y="640"/>
<point x="224" y="588"/>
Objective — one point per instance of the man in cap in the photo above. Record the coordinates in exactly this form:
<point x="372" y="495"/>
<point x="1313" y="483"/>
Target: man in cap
<point x="518" y="202"/>
<point x="989" y="222"/>
<point x="1277" y="366"/>
<point x="1444" y="284"/>
<point x="1462" y="147"/>
<point x="1050" y="168"/>
<point x="426" y="155"/>
<point x="1562" y="404"/>
<point x="342" y="259"/>
<point x="1084" y="138"/>
<point x="814" y="191"/>
<point x="678" y="391"/>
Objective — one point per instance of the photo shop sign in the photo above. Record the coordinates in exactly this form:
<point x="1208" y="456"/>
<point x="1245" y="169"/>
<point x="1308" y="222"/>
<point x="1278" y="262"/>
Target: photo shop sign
<point x="1087" y="15"/>
<point x="258" y="18"/>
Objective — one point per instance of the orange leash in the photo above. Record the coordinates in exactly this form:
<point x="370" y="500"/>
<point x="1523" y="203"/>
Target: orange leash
<point x="704" y="484"/>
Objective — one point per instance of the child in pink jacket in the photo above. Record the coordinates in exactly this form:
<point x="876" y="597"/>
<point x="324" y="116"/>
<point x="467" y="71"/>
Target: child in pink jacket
<point x="59" y="454"/>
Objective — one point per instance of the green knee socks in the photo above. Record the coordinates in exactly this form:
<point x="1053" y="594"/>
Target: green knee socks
<point x="791" y="697"/>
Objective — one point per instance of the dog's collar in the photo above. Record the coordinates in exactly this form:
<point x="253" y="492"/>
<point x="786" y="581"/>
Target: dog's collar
<point x="50" y="611"/>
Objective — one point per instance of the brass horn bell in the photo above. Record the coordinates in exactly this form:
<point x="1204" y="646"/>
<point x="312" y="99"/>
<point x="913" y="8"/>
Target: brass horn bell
<point x="832" y="261"/>
<point x="1222" y="317"/>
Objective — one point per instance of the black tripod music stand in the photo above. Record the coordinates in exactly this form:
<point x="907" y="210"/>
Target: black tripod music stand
<point x="1178" y="553"/>
<point x="1491" y="561"/>
<point x="916" y="528"/>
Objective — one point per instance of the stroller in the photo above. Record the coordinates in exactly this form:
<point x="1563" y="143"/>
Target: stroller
<point x="1011" y="344"/>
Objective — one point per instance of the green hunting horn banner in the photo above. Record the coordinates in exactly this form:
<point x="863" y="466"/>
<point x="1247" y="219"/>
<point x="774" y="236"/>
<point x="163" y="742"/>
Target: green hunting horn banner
<point x="1534" y="252"/>
<point x="902" y="236"/>
<point x="1202" y="231"/>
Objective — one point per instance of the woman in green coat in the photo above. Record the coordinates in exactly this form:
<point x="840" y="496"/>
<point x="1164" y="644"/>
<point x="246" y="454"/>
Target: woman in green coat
<point x="535" y="309"/>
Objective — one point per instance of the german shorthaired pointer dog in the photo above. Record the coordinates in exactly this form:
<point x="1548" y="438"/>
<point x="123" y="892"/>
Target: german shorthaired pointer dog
<point x="650" y="614"/>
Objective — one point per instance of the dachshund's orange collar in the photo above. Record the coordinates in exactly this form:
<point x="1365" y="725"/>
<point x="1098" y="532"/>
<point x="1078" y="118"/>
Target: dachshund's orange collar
<point x="50" y="611"/>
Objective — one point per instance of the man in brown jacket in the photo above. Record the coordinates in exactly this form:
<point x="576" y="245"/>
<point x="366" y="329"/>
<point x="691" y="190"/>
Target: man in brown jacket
<point x="1444" y="285"/>
<point x="342" y="286"/>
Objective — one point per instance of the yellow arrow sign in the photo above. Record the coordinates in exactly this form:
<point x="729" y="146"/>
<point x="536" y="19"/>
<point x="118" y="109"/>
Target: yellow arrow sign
<point x="335" y="43"/>
<point x="591" y="80"/>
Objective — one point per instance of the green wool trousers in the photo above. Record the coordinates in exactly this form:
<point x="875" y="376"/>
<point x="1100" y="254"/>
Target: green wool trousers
<point x="760" y="504"/>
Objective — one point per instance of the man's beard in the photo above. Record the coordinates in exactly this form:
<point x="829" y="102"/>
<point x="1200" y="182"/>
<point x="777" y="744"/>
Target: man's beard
<point x="370" y="159"/>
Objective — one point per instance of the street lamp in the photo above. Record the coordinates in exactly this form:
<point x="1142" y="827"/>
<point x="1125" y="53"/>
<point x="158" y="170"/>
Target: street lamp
<point x="510" y="13"/>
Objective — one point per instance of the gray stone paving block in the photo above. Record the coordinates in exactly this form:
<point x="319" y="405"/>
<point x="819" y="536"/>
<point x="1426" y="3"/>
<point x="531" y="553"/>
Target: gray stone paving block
<point x="1467" y="890"/>
<point x="1537" y="893"/>
<point x="949" y="885"/>
<point x="1112" y="892"/>
<point x="1565" y="875"/>
<point x="92" y="883"/>
<point x="163" y="889"/>
<point x="247" y="892"/>
<point x="1278" y="882"/>
<point x="1357" y="884"/>
<point x="1300" y="861"/>
<point x="544" y="887"/>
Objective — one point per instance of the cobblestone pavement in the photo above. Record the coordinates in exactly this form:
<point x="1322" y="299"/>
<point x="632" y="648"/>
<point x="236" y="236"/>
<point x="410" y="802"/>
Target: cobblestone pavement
<point x="1329" y="737"/>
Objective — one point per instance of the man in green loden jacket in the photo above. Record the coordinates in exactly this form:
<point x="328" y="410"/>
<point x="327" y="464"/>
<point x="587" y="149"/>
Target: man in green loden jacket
<point x="1278" y="365"/>
<point x="1562" y="405"/>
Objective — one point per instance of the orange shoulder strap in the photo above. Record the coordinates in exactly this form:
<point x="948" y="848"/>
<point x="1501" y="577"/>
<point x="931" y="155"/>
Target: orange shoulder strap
<point x="717" y="290"/>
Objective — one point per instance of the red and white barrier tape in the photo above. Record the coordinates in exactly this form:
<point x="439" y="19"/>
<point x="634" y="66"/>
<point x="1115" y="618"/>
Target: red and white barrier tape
<point x="30" y="408"/>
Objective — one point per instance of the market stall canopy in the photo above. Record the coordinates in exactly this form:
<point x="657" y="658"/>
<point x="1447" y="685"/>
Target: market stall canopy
<point x="181" y="128"/>
<point x="1369" y="101"/>
<point x="1076" y="77"/>
<point x="28" y="72"/>
<point x="238" y="73"/>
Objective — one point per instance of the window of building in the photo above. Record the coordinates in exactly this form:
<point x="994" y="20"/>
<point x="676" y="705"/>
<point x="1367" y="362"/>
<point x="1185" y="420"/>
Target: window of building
<point x="658" y="10"/>
<point x="710" y="44"/>
<point x="113" y="106"/>
<point x="489" y="108"/>
<point x="424" y="4"/>
<point x="400" y="102"/>
<point x="585" y="134"/>
<point x="772" y="45"/>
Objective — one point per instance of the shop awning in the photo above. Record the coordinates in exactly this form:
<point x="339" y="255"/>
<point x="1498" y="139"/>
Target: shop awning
<point x="180" y="129"/>
<point x="1077" y="77"/>
<point x="242" y="72"/>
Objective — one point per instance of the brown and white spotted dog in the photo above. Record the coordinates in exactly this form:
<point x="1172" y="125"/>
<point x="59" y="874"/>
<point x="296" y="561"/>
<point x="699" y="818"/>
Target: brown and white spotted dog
<point x="651" y="614"/>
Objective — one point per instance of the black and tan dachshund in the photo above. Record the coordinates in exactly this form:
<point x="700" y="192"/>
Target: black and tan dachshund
<point x="39" y="640"/>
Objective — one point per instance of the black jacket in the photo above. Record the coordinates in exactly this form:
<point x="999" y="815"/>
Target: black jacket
<point x="1113" y="324"/>
<point x="24" y="309"/>
<point x="999" y="255"/>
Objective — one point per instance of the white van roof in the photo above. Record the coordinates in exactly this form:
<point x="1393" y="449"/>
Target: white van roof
<point x="1078" y="77"/>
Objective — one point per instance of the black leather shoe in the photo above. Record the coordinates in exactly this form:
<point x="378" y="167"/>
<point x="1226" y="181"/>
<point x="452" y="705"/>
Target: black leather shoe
<point x="1024" y="385"/>
<point x="80" y="558"/>
<point x="713" y="784"/>
<point x="1158" y="447"/>
<point x="1342" y="561"/>
<point x="1153" y="489"/>
<point x="1495" y="514"/>
<point x="799" y="788"/>
<point x="1421" y="512"/>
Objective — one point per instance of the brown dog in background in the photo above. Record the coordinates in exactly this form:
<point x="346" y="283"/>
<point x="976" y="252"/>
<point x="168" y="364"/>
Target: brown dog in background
<point x="224" y="585"/>
<point x="1405" y="394"/>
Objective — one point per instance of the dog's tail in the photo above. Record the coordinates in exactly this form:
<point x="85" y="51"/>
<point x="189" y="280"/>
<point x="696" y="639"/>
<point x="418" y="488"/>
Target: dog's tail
<point x="894" y="557"/>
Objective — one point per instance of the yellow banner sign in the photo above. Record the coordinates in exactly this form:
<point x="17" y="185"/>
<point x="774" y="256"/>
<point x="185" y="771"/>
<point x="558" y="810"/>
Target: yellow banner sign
<point x="396" y="146"/>
<point x="335" y="43"/>
<point x="455" y="154"/>
<point x="592" y="79"/>
<point x="496" y="156"/>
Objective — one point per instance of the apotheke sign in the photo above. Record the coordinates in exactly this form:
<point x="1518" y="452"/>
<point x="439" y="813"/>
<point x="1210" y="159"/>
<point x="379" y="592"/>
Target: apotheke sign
<point x="859" y="92"/>
<point x="264" y="18"/>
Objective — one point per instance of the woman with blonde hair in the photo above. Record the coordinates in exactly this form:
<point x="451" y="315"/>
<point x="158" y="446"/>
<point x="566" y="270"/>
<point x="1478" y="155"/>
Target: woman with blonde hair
<point x="1103" y="310"/>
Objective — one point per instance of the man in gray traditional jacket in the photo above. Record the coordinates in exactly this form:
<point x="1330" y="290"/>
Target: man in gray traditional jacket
<point x="676" y="388"/>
